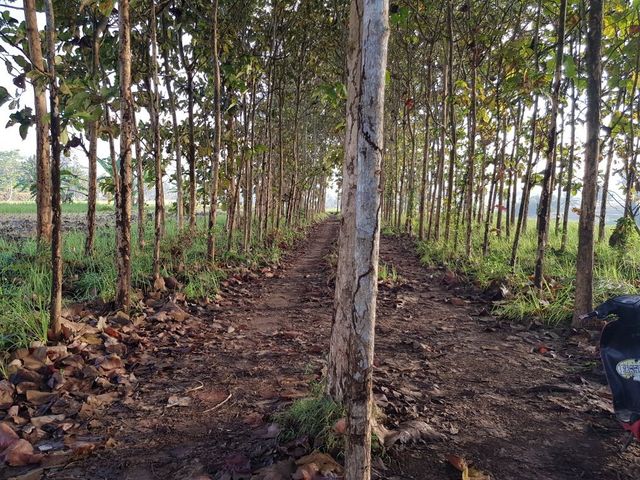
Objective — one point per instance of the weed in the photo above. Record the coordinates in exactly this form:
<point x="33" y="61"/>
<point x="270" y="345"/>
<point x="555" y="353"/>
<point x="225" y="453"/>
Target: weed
<point x="25" y="279"/>
<point x="387" y="273"/>
<point x="313" y="417"/>
<point x="615" y="272"/>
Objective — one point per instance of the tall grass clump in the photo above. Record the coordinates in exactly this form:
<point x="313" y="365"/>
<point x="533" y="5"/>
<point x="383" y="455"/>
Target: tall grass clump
<point x="616" y="272"/>
<point x="25" y="278"/>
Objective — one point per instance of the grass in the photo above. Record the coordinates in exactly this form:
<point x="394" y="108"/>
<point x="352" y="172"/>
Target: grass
<point x="616" y="272"/>
<point x="25" y="208"/>
<point x="313" y="417"/>
<point x="25" y="278"/>
<point x="387" y="273"/>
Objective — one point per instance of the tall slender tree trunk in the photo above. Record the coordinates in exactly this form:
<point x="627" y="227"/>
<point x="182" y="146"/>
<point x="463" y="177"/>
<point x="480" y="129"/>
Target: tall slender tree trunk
<point x="191" y="133"/>
<point x="43" y="166"/>
<point x="56" y="238"/>
<point x="471" y="150"/>
<point x="425" y="156"/>
<point x="123" y="212"/>
<point x="584" y="259"/>
<point x="452" y="122"/>
<point x="545" y="197"/>
<point x="154" y="104"/>
<point x="140" y="179"/>
<point x="177" y="144"/>
<point x="98" y="30"/>
<point x="215" y="162"/>
<point x="605" y="191"/>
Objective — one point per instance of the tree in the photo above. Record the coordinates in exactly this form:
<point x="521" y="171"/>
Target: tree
<point x="123" y="206"/>
<point x="547" y="185"/>
<point x="372" y="32"/>
<point x="340" y="329"/>
<point x="584" y="259"/>
<point x="56" y="237"/>
<point x="43" y="197"/>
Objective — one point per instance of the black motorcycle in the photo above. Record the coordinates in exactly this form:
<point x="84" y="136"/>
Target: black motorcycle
<point x="620" y="353"/>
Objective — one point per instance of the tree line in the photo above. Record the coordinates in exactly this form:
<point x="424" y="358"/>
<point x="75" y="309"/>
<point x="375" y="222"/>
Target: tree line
<point x="235" y="105"/>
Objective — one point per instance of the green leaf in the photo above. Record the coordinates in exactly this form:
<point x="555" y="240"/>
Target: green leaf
<point x="4" y="96"/>
<point x="24" y="130"/>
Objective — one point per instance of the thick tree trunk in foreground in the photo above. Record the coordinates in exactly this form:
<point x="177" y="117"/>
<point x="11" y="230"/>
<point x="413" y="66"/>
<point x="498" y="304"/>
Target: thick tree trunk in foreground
<point x="43" y="169"/>
<point x="123" y="212"/>
<point x="370" y="137"/>
<point x="338" y="347"/>
<point x="56" y="239"/>
<point x="584" y="260"/>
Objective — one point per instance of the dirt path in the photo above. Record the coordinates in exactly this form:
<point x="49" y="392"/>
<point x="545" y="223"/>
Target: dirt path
<point x="515" y="413"/>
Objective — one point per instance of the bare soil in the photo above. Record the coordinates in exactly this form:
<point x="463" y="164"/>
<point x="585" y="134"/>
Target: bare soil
<point x="21" y="226"/>
<point x="518" y="402"/>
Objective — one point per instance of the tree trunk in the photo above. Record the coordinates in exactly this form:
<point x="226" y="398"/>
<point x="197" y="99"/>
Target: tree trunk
<point x="192" y="143"/>
<point x="215" y="162"/>
<point x="545" y="197"/>
<point x="452" y="122"/>
<point x="56" y="239"/>
<point x="471" y="150"/>
<point x="99" y="29"/>
<point x="123" y="212"/>
<point x="584" y="259"/>
<point x="341" y="327"/>
<point x="154" y="110"/>
<point x="177" y="144"/>
<point x="605" y="192"/>
<point x="375" y="34"/>
<point x="425" y="157"/>
<point x="43" y="169"/>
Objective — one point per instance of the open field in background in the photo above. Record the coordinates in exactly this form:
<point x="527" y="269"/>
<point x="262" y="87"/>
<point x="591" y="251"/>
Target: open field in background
<point x="25" y="279"/>
<point x="617" y="272"/>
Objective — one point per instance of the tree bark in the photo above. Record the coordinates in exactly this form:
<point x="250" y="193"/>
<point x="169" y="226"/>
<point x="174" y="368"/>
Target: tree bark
<point x="215" y="162"/>
<point x="43" y="169"/>
<point x="341" y="327"/>
<point x="123" y="212"/>
<point x="545" y="197"/>
<point x="584" y="259"/>
<point x="154" y="110"/>
<point x="56" y="238"/>
<point x="374" y="34"/>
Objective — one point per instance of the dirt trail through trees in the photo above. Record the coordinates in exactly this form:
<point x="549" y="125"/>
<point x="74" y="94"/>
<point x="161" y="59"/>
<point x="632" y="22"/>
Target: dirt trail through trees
<point x="515" y="412"/>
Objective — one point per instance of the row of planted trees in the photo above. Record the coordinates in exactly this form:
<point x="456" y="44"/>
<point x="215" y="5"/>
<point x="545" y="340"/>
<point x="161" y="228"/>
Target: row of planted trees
<point x="487" y="106"/>
<point x="230" y="105"/>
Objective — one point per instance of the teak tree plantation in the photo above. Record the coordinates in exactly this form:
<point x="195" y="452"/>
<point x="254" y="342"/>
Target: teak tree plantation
<point x="309" y="239"/>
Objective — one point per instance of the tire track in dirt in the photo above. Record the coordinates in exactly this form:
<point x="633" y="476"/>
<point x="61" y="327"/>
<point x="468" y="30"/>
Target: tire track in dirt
<point x="516" y="414"/>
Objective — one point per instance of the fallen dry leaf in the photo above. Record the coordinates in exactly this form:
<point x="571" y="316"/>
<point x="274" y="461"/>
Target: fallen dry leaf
<point x="278" y="471"/>
<point x="340" y="427"/>
<point x="316" y="462"/>
<point x="176" y="401"/>
<point x="411" y="431"/>
<point x="19" y="454"/>
<point x="7" y="436"/>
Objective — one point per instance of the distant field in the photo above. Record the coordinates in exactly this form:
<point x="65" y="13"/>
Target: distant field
<point x="26" y="208"/>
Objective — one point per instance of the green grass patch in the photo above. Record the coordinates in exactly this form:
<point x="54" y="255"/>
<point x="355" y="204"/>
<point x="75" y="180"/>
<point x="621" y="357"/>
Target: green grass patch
<point x="313" y="417"/>
<point x="26" y="208"/>
<point x="25" y="278"/>
<point x="616" y="271"/>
